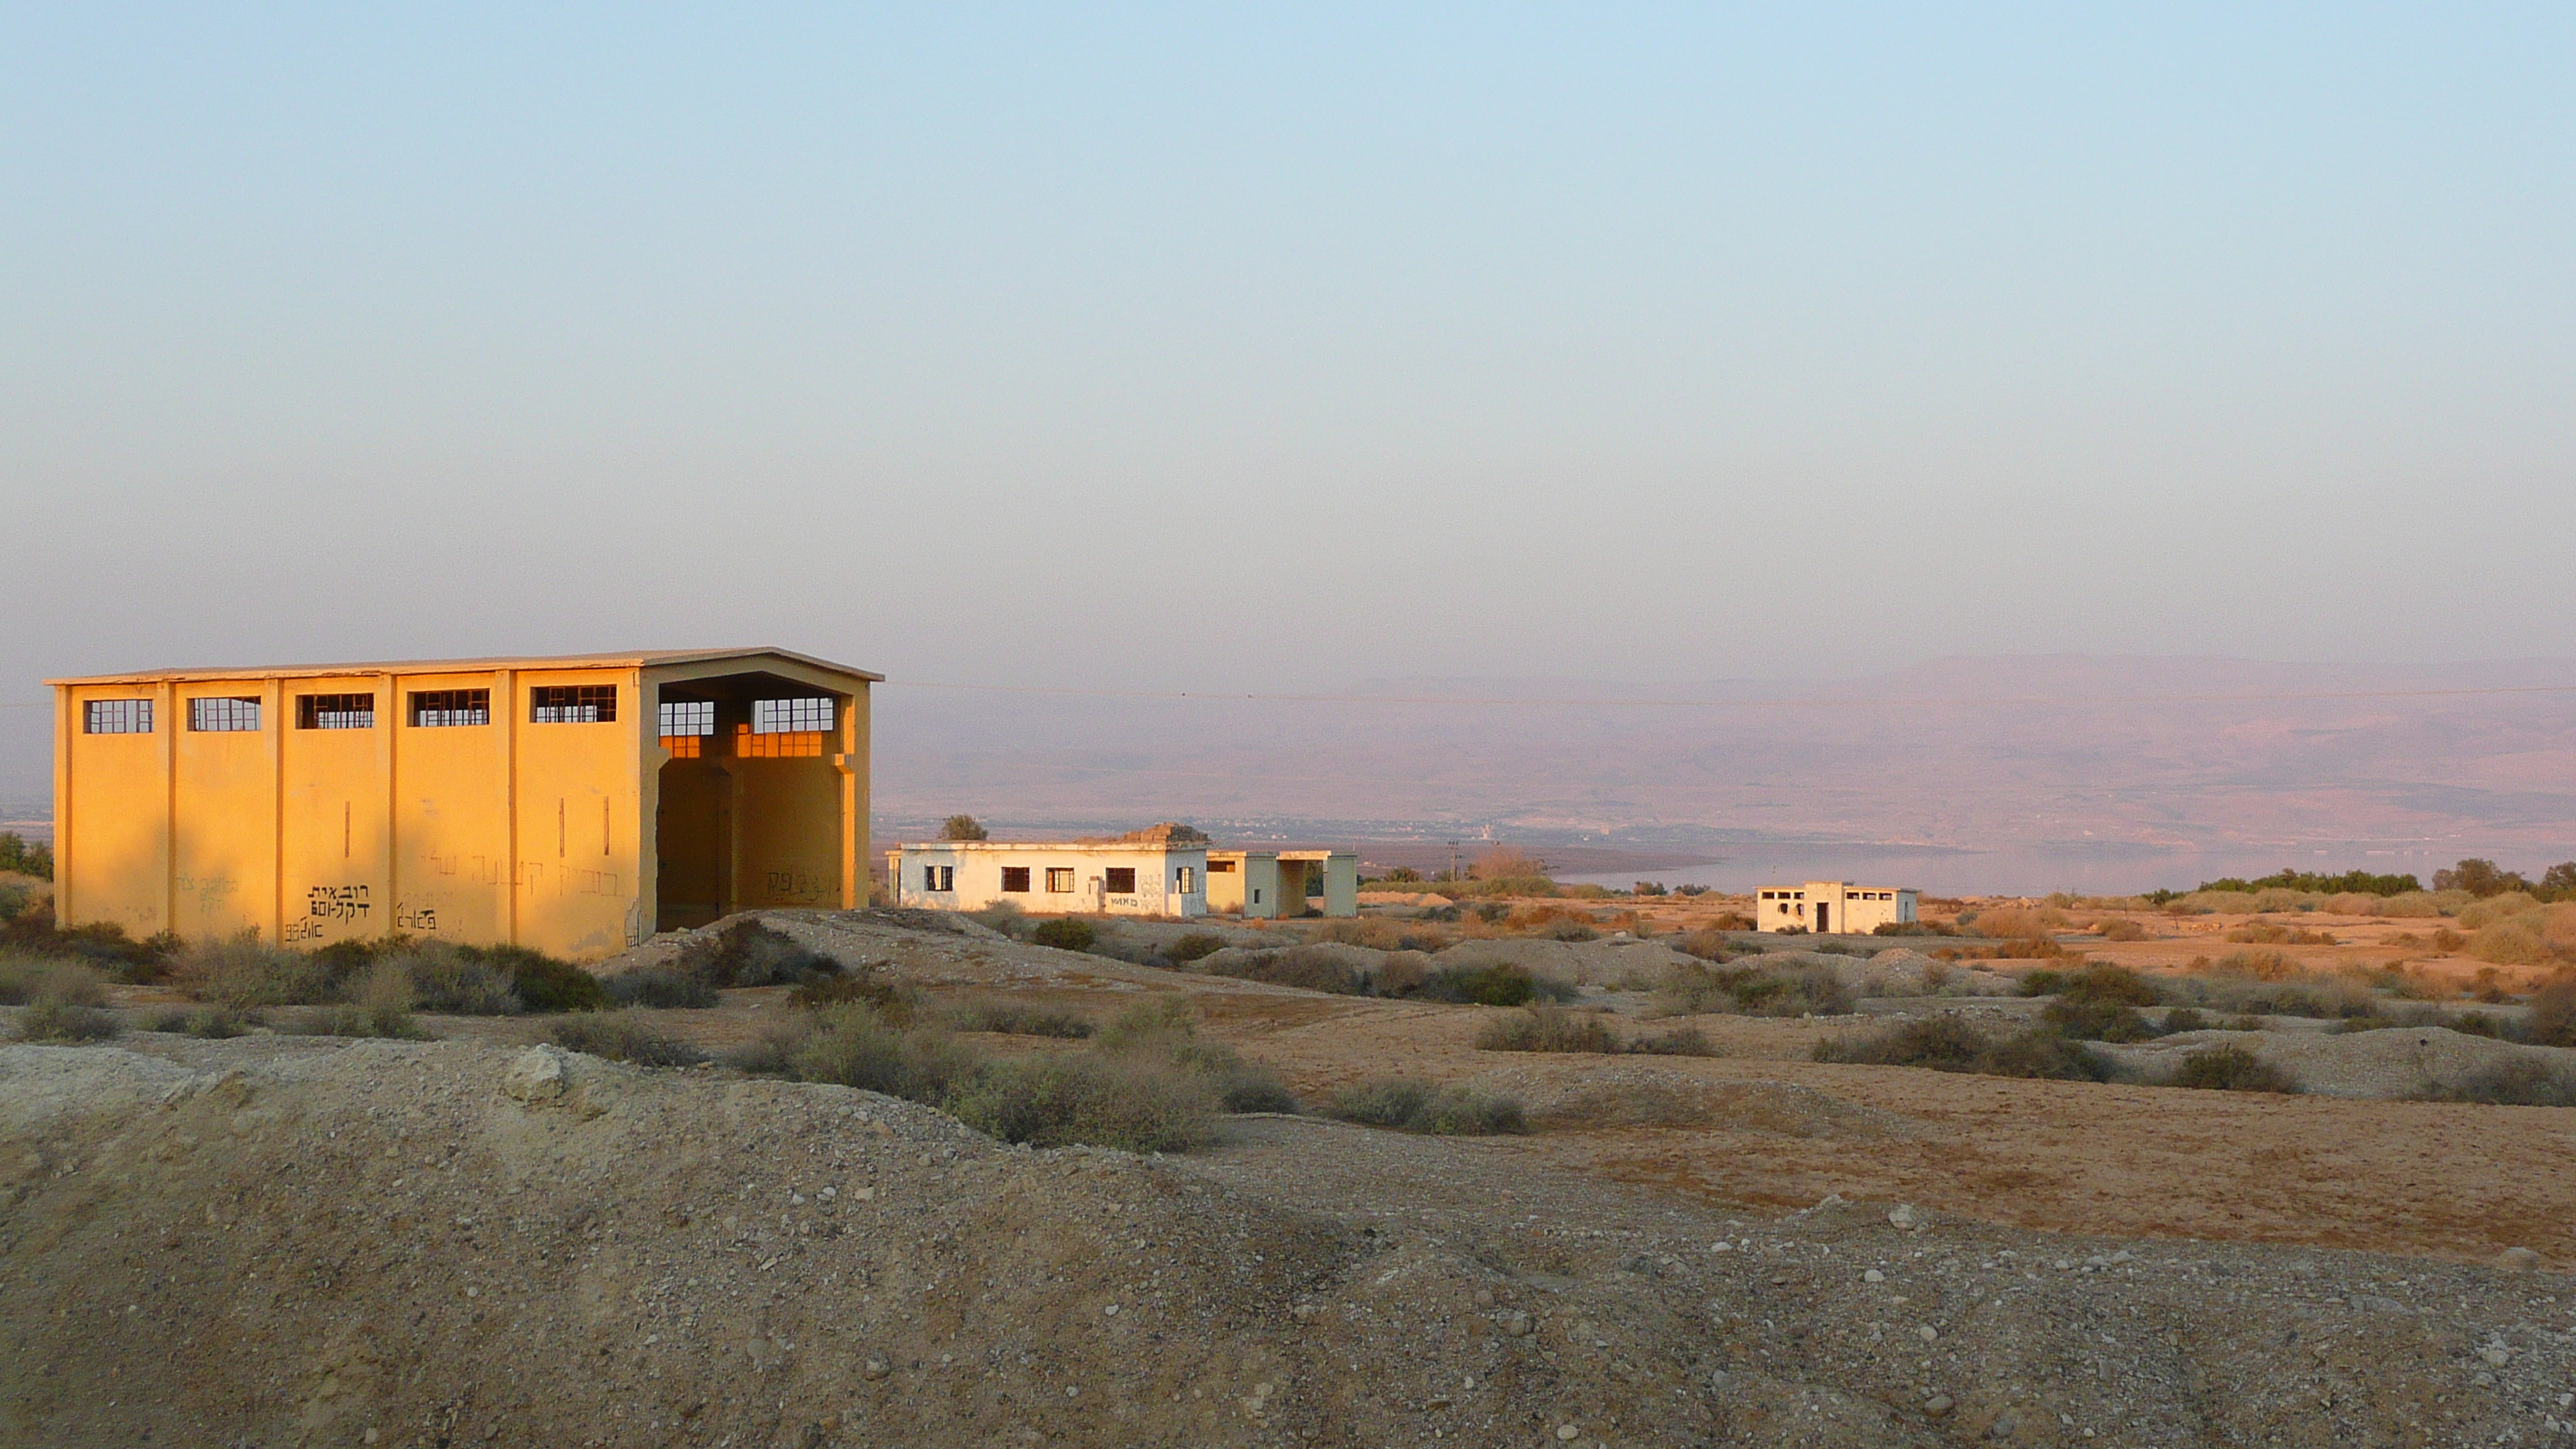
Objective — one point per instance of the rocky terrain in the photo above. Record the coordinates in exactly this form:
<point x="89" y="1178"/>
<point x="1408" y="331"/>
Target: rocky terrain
<point x="283" y="1239"/>
<point x="274" y="1241"/>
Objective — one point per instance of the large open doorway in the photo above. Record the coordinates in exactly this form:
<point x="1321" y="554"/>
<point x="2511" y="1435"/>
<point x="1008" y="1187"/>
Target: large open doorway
<point x="752" y="798"/>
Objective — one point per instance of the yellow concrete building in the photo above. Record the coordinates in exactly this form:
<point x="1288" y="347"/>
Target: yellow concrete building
<point x="574" y="805"/>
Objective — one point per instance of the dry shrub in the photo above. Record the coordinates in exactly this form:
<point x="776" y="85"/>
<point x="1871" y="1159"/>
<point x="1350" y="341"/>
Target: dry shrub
<point x="1134" y="1104"/>
<point x="1509" y="863"/>
<point x="2519" y="1082"/>
<point x="1410" y="1105"/>
<point x="2446" y="940"/>
<point x="2496" y="908"/>
<point x="1165" y="1032"/>
<point x="1708" y="943"/>
<point x="2353" y="903"/>
<point x="2512" y="941"/>
<point x="2293" y="995"/>
<point x="624" y="1036"/>
<point x="1017" y="1018"/>
<point x="2232" y="1069"/>
<point x="2273" y="933"/>
<point x="873" y="984"/>
<point x="25" y="978"/>
<point x="1381" y="934"/>
<point x="1403" y="973"/>
<point x="1303" y="967"/>
<point x="2409" y="905"/>
<point x="1547" y="1029"/>
<point x="444" y="978"/>
<point x="1681" y="1041"/>
<point x="243" y="974"/>
<point x="750" y="952"/>
<point x="214" y="1023"/>
<point x="2010" y="922"/>
<point x="1800" y="989"/>
<point x="854" y="1046"/>
<point x="2120" y="928"/>
<point x="52" y="1019"/>
<point x="379" y="1004"/>
<point x="1949" y="1044"/>
<point x="1553" y="923"/>
<point x="2551" y="1019"/>
<point x="2260" y="965"/>
<point x="1193" y="946"/>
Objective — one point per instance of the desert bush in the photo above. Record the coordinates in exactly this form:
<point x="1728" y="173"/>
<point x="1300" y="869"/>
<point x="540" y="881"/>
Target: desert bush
<point x="2088" y="1018"/>
<point x="378" y="1004"/>
<point x="1499" y="984"/>
<point x="1789" y="989"/>
<point x="662" y="987"/>
<point x="2510" y="941"/>
<point x="1166" y="1030"/>
<point x="1059" y="1100"/>
<point x="2411" y="905"/>
<point x="1547" y="1029"/>
<point x="541" y="982"/>
<point x="1003" y="916"/>
<point x="2519" y="1082"/>
<point x="1948" y="1044"/>
<point x="1402" y="973"/>
<point x="1410" y="1105"/>
<point x="873" y="984"/>
<point x="1913" y="928"/>
<point x="54" y="1019"/>
<point x="854" y="1046"/>
<point x="2273" y="933"/>
<point x="2323" y="998"/>
<point x="2551" y="1018"/>
<point x="241" y="973"/>
<point x="2261" y="965"/>
<point x="2016" y="922"/>
<point x="2120" y="928"/>
<point x="1065" y="933"/>
<point x="2231" y="1069"/>
<point x="18" y="857"/>
<point x="446" y="979"/>
<point x="623" y="1036"/>
<point x="1016" y="1018"/>
<point x="214" y="1023"/>
<point x="963" y="827"/>
<point x="14" y="898"/>
<point x="2184" y="1018"/>
<point x="2495" y="908"/>
<point x="1193" y="946"/>
<point x="1298" y="966"/>
<point x="1681" y="1041"/>
<point x="1380" y="934"/>
<point x="1709" y="944"/>
<point x="2094" y="981"/>
<point x="750" y="952"/>
<point x="25" y="977"/>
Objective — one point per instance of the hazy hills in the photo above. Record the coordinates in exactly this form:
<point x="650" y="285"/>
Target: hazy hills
<point x="1997" y="753"/>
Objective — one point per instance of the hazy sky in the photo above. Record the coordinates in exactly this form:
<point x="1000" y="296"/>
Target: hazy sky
<point x="1281" y="346"/>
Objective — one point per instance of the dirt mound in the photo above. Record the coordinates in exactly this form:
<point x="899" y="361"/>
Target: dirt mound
<point x="300" y="1241"/>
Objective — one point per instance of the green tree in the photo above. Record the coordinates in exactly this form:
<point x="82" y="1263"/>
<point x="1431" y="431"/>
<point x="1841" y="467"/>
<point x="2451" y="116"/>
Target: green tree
<point x="962" y="827"/>
<point x="24" y="859"/>
<point x="2480" y="878"/>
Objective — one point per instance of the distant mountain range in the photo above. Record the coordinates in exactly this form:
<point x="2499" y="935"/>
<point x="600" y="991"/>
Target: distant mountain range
<point x="1985" y="754"/>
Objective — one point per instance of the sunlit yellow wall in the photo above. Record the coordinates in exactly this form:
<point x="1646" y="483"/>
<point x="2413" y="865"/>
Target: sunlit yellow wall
<point x="223" y="878"/>
<point x="335" y="806"/>
<point x="112" y="838"/>
<point x="578" y="841"/>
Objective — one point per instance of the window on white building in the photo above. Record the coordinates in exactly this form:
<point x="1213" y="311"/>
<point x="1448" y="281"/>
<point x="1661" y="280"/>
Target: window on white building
<point x="1060" y="880"/>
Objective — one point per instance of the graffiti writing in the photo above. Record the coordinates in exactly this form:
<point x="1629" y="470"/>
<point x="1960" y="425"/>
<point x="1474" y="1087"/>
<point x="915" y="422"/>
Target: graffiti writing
<point x="415" y="918"/>
<point x="799" y="885"/>
<point x="337" y="903"/>
<point x="307" y="929"/>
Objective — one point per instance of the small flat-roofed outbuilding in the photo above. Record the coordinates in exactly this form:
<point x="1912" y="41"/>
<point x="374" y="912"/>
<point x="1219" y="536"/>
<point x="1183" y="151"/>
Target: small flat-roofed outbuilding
<point x="572" y="804"/>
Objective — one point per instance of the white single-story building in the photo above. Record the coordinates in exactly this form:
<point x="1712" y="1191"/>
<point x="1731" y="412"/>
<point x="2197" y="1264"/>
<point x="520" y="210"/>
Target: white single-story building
<point x="1831" y="905"/>
<point x="1269" y="884"/>
<point x="1119" y="878"/>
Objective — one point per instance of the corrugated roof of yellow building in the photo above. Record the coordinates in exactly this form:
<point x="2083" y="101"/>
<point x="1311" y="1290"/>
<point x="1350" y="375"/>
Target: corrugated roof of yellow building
<point x="640" y="659"/>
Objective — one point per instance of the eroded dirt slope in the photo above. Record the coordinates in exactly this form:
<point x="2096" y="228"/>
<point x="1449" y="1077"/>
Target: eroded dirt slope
<point x="296" y="1241"/>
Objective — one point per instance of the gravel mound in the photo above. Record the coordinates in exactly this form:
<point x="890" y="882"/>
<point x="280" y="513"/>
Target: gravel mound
<point x="444" y="1244"/>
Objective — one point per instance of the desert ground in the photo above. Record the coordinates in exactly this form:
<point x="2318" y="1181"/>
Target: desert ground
<point x="481" y="1238"/>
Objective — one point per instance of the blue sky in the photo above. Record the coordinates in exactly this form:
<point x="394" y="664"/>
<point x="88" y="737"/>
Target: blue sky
<point x="1243" y="346"/>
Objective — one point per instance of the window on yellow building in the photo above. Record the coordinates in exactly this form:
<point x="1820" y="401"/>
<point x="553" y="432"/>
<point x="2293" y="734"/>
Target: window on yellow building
<point x="572" y="704"/>
<point x="335" y="711"/>
<point x="440" y="708"/>
<point x="223" y="715"/>
<point x="116" y="717"/>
